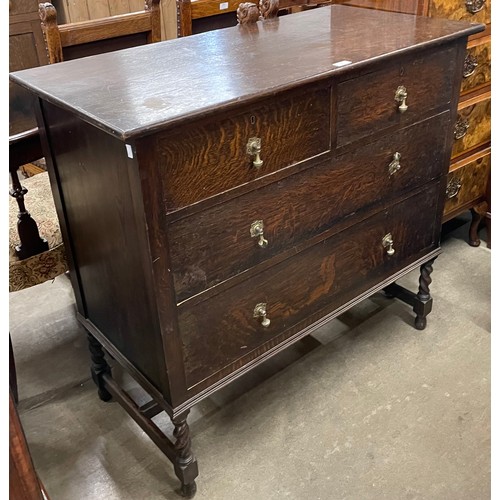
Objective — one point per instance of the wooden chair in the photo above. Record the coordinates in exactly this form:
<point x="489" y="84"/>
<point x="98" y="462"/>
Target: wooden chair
<point x="74" y="40"/>
<point x="246" y="12"/>
<point x="36" y="248"/>
<point x="198" y="16"/>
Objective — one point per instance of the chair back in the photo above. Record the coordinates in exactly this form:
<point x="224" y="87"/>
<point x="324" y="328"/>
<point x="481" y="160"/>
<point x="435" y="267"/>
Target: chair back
<point x="74" y="40"/>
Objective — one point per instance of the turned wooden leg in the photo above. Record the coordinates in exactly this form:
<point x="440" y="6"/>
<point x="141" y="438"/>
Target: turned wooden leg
<point x="423" y="300"/>
<point x="99" y="367"/>
<point x="185" y="465"/>
<point x="474" y="240"/>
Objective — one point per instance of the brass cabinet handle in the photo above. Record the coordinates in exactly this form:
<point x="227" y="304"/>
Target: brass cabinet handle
<point x="461" y="127"/>
<point x="474" y="6"/>
<point x="400" y="97"/>
<point x="257" y="231"/>
<point x="453" y="188"/>
<point x="470" y="65"/>
<point x="387" y="242"/>
<point x="260" y="311"/>
<point x="253" y="149"/>
<point x="394" y="166"/>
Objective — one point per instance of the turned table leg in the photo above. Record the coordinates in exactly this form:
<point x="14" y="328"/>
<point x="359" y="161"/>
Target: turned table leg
<point x="99" y="367"/>
<point x="474" y="240"/>
<point x="185" y="465"/>
<point x="423" y="300"/>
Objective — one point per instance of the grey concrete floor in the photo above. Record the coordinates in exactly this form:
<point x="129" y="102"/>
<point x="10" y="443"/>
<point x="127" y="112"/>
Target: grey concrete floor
<point x="368" y="408"/>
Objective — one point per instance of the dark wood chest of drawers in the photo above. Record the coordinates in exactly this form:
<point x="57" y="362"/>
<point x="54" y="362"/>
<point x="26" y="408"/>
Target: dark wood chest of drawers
<point x="208" y="229"/>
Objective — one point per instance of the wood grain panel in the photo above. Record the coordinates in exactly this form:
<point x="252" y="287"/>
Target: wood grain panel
<point x="457" y="10"/>
<point x="478" y="118"/>
<point x="481" y="55"/>
<point x="197" y="162"/>
<point x="221" y="330"/>
<point x="368" y="102"/>
<point x="467" y="184"/>
<point x="212" y="246"/>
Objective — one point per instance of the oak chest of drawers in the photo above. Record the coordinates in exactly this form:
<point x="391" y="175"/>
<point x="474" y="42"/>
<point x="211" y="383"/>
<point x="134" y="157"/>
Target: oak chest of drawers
<point x="207" y="231"/>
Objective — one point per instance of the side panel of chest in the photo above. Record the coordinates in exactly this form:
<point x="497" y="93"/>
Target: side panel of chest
<point x="102" y="214"/>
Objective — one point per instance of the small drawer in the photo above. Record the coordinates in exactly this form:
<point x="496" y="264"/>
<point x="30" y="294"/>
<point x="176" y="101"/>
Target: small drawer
<point x="377" y="100"/>
<point x="467" y="184"/>
<point x="248" y="319"/>
<point x="475" y="11"/>
<point x="198" y="162"/>
<point x="473" y="126"/>
<point x="477" y="67"/>
<point x="216" y="244"/>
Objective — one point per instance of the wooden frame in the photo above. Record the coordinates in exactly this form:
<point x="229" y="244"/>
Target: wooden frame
<point x="108" y="29"/>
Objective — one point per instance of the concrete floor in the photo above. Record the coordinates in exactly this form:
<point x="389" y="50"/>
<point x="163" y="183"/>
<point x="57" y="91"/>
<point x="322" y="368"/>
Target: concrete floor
<point x="369" y="408"/>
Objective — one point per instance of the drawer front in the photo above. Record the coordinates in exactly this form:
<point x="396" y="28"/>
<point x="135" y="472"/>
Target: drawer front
<point x="369" y="103"/>
<point x="467" y="184"/>
<point x="230" y="326"/>
<point x="477" y="67"/>
<point x="475" y="11"/>
<point x="199" y="161"/>
<point x="210" y="247"/>
<point x="473" y="127"/>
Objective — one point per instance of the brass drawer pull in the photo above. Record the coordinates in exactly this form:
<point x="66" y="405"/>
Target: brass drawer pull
<point x="257" y="231"/>
<point x="470" y="65"/>
<point x="400" y="97"/>
<point x="461" y="127"/>
<point x="394" y="166"/>
<point x="387" y="242"/>
<point x="261" y="312"/>
<point x="453" y="188"/>
<point x="253" y="149"/>
<point x="474" y="6"/>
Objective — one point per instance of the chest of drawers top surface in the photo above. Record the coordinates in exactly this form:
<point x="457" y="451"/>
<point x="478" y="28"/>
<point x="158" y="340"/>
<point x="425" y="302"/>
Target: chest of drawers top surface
<point x="134" y="92"/>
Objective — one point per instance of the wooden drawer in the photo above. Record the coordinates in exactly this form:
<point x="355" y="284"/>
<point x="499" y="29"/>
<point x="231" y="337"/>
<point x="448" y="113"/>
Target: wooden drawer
<point x="477" y="66"/>
<point x="473" y="126"/>
<point x="475" y="11"/>
<point x="368" y="103"/>
<point x="221" y="329"/>
<point x="214" y="245"/>
<point x="467" y="184"/>
<point x="197" y="162"/>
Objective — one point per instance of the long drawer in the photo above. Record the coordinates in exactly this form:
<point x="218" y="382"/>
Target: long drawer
<point x="214" y="245"/>
<point x="467" y="184"/>
<point x="473" y="126"/>
<point x="274" y="304"/>
<point x="197" y="162"/>
<point x="369" y="103"/>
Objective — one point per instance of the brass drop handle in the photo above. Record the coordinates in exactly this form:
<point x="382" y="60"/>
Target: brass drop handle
<point x="253" y="149"/>
<point x="257" y="231"/>
<point x="453" y="188"/>
<point x="470" y="65"/>
<point x="461" y="127"/>
<point x="394" y="166"/>
<point x="261" y="312"/>
<point x="400" y="98"/>
<point x="474" y="6"/>
<point x="387" y="242"/>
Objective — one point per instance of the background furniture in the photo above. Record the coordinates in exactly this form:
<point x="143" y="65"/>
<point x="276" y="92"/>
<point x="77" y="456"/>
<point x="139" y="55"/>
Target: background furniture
<point x="74" y="40"/>
<point x="199" y="16"/>
<point x="23" y="480"/>
<point x="72" y="11"/>
<point x="207" y="236"/>
<point x="470" y="166"/>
